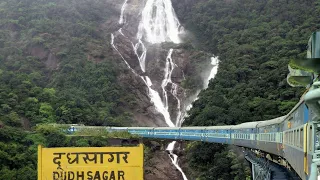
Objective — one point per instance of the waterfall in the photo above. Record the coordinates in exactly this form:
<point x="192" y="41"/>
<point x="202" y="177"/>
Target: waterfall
<point x="174" y="159"/>
<point x="213" y="72"/>
<point x="159" y="24"/>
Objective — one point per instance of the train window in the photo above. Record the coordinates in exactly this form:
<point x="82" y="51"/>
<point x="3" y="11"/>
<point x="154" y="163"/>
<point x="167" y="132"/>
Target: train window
<point x="298" y="138"/>
<point x="294" y="137"/>
<point x="293" y="133"/>
<point x="284" y="138"/>
<point x="310" y="138"/>
<point x="290" y="137"/>
<point x="273" y="137"/>
<point x="291" y="141"/>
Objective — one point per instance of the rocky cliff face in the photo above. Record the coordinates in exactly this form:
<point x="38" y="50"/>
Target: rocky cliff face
<point x="145" y="59"/>
<point x="164" y="73"/>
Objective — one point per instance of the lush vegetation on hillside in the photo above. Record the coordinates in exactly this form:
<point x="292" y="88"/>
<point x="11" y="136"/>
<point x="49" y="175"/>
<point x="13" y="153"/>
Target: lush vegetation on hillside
<point x="55" y="67"/>
<point x="55" y="64"/>
<point x="255" y="41"/>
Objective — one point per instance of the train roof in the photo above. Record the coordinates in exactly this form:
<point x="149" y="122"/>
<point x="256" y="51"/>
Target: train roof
<point x="149" y="128"/>
<point x="167" y="128"/>
<point x="271" y="122"/>
<point x="194" y="127"/>
<point x="219" y="127"/>
<point x="246" y="125"/>
<point x="119" y="128"/>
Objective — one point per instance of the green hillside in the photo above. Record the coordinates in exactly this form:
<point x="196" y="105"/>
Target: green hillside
<point x="255" y="40"/>
<point x="56" y="66"/>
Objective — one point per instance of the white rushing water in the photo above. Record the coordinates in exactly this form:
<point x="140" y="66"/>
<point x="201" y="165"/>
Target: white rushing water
<point x="213" y="72"/>
<point x="142" y="56"/>
<point x="174" y="159"/>
<point x="159" y="24"/>
<point x="122" y="18"/>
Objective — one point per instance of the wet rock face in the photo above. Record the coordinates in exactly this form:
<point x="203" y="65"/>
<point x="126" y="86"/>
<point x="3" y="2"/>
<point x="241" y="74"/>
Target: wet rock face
<point x="159" y="167"/>
<point x="131" y="54"/>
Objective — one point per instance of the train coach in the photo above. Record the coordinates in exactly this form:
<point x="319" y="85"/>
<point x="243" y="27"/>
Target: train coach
<point x="218" y="134"/>
<point x="269" y="136"/>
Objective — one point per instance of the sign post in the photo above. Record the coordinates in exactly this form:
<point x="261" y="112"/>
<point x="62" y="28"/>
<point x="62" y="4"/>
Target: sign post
<point x="98" y="163"/>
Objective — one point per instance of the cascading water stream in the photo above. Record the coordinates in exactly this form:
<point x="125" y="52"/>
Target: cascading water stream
<point x="213" y="72"/>
<point x="159" y="24"/>
<point x="122" y="18"/>
<point x="142" y="57"/>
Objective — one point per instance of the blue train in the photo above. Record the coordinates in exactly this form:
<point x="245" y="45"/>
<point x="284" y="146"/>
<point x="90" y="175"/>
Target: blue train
<point x="292" y="137"/>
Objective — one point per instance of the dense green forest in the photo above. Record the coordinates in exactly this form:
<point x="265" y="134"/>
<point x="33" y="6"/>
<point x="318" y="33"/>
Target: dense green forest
<point x="255" y="40"/>
<point x="56" y="64"/>
<point x="55" y="67"/>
